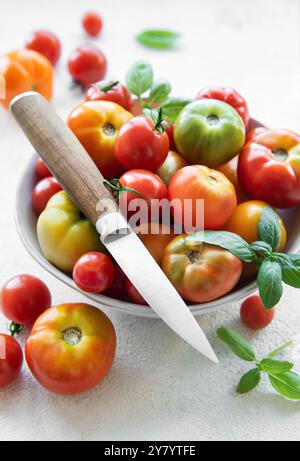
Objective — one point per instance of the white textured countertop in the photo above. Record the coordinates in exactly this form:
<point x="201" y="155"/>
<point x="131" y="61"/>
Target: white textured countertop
<point x="159" y="388"/>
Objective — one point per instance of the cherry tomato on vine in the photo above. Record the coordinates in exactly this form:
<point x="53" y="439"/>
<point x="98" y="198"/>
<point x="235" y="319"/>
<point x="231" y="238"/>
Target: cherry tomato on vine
<point x="87" y="64"/>
<point x="23" y="298"/>
<point x="46" y="43"/>
<point x="94" y="272"/>
<point x="11" y="359"/>
<point x="41" y="169"/>
<point x="141" y="144"/>
<point x="92" y="23"/>
<point x="254" y="314"/>
<point x="42" y="193"/>
<point x="106" y="90"/>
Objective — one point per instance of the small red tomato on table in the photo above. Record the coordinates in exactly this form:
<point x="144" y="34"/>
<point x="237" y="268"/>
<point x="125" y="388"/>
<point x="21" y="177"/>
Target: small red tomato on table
<point x="11" y="359"/>
<point x="92" y="23"/>
<point x="41" y="169"/>
<point x="87" y="64"/>
<point x="42" y="193"/>
<point x="254" y="314"/>
<point x="94" y="272"/>
<point x="46" y="43"/>
<point x="107" y="90"/>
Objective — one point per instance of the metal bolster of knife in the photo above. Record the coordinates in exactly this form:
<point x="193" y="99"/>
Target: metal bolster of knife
<point x="112" y="226"/>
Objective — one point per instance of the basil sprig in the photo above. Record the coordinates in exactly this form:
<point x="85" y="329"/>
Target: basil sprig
<point x="158" y="38"/>
<point x="282" y="379"/>
<point x="273" y="267"/>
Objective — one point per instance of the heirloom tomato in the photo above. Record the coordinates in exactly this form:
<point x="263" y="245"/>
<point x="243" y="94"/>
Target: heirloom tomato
<point x="94" y="272"/>
<point x="63" y="234"/>
<point x="229" y="169"/>
<point x="269" y="168"/>
<point x="171" y="165"/>
<point x="252" y="134"/>
<point x="140" y="144"/>
<point x="42" y="193"/>
<point x="196" y="182"/>
<point x="11" y="359"/>
<point x="46" y="43"/>
<point x="209" y="132"/>
<point x="71" y="348"/>
<point x="230" y="96"/>
<point x="106" y="90"/>
<point x="200" y="272"/>
<point x="155" y="237"/>
<point x="96" y="125"/>
<point x="25" y="70"/>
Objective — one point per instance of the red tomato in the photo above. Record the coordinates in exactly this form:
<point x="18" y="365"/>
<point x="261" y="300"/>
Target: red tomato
<point x="42" y="193"/>
<point x="87" y="64"/>
<point x="230" y="96"/>
<point x="149" y="185"/>
<point x="252" y="134"/>
<point x="133" y="293"/>
<point x="71" y="348"/>
<point x="106" y="90"/>
<point x="23" y="298"/>
<point x="41" y="169"/>
<point x="117" y="289"/>
<point x="269" y="168"/>
<point x="94" y="272"/>
<point x="170" y="133"/>
<point x="11" y="359"/>
<point x="254" y="314"/>
<point x="92" y="23"/>
<point x="200" y="182"/>
<point x="140" y="145"/>
<point x="46" y="43"/>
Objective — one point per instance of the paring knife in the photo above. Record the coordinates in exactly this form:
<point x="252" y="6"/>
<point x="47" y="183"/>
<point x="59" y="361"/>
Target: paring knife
<point x="78" y="175"/>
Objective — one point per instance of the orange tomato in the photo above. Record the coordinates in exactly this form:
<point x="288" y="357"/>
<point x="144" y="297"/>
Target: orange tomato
<point x="96" y="124"/>
<point x="229" y="169"/>
<point x="25" y="70"/>
<point x="155" y="237"/>
<point x="244" y="221"/>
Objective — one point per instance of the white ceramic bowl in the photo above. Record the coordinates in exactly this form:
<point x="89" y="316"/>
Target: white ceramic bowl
<point x="26" y="226"/>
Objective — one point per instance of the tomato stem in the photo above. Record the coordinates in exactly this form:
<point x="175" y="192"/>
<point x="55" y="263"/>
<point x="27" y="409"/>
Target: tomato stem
<point x="15" y="328"/>
<point x="158" y="121"/>
<point x="109" y="86"/>
<point x="118" y="189"/>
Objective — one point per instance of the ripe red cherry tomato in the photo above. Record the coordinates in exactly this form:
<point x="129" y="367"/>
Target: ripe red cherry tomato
<point x="11" y="359"/>
<point x="140" y="145"/>
<point x="149" y="185"/>
<point x="87" y="64"/>
<point x="41" y="169"/>
<point x="92" y="23"/>
<point x="230" y="96"/>
<point x="23" y="298"/>
<point x="254" y="314"/>
<point x="42" y="193"/>
<point x="133" y="294"/>
<point x="106" y="90"/>
<point x="94" y="272"/>
<point x="46" y="43"/>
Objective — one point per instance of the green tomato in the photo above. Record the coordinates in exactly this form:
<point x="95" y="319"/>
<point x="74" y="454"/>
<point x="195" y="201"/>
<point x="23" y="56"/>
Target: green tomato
<point x="209" y="132"/>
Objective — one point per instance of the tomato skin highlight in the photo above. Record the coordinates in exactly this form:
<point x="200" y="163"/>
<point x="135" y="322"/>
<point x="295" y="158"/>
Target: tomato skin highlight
<point x="42" y="193"/>
<point x="23" y="298"/>
<point x="118" y="94"/>
<point x="269" y="168"/>
<point x="140" y="145"/>
<point x="41" y="169"/>
<point x="46" y="43"/>
<point x="254" y="314"/>
<point x="71" y="348"/>
<point x="87" y="64"/>
<point x="94" y="272"/>
<point x="11" y="359"/>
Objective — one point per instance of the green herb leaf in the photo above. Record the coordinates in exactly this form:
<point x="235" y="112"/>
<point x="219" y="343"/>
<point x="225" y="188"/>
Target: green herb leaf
<point x="269" y="281"/>
<point x="286" y="384"/>
<point x="275" y="367"/>
<point x="280" y="349"/>
<point x="237" y="344"/>
<point x="139" y="77"/>
<point x="249" y="381"/>
<point x="290" y="268"/>
<point x="173" y="106"/>
<point x="228" y="240"/>
<point x="268" y="227"/>
<point x="158" y="38"/>
<point x="160" y="90"/>
<point x="262" y="248"/>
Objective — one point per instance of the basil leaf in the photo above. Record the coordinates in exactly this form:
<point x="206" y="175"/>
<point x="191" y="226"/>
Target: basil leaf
<point x="268" y="227"/>
<point x="286" y="384"/>
<point x="269" y="281"/>
<point x="173" y="106"/>
<point x="160" y="90"/>
<point x="249" y="381"/>
<point x="290" y="268"/>
<point x="262" y="248"/>
<point x="228" y="240"/>
<point x="237" y="344"/>
<point x="139" y="77"/>
<point x="275" y="367"/>
<point x="158" y="38"/>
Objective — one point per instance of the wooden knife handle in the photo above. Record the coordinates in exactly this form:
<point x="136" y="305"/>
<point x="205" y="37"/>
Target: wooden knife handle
<point x="64" y="155"/>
